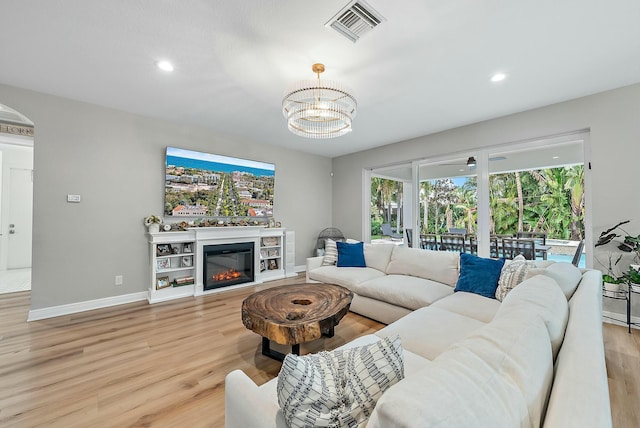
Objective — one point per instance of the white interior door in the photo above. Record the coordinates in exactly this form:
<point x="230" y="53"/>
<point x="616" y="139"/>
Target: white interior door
<point x="20" y="218"/>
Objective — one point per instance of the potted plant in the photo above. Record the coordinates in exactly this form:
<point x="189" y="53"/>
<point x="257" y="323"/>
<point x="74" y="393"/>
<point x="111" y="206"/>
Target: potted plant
<point x="153" y="222"/>
<point x="629" y="244"/>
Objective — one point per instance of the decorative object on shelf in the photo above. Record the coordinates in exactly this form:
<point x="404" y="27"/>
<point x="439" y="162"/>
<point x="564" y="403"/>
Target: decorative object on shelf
<point x="263" y="254"/>
<point x="273" y="252"/>
<point x="176" y="248"/>
<point x="162" y="282"/>
<point x="263" y="266"/>
<point x="273" y="264"/>
<point x="272" y="222"/>
<point x="166" y="227"/>
<point x="270" y="241"/>
<point x="163" y="249"/>
<point x="163" y="264"/>
<point x="278" y="224"/>
<point x="179" y="282"/>
<point x="319" y="109"/>
<point x="187" y="261"/>
<point x="613" y="279"/>
<point x="187" y="248"/>
<point x="153" y="223"/>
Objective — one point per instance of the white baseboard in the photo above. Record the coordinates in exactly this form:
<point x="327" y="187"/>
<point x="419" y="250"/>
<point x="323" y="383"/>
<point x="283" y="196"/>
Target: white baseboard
<point x="73" y="308"/>
<point x="296" y="270"/>
<point x="619" y="319"/>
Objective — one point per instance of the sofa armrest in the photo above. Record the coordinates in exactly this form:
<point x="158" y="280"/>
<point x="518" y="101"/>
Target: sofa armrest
<point x="245" y="405"/>
<point x="313" y="263"/>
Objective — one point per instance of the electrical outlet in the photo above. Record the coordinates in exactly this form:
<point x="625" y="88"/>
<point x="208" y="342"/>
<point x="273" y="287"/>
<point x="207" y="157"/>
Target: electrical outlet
<point x="118" y="279"/>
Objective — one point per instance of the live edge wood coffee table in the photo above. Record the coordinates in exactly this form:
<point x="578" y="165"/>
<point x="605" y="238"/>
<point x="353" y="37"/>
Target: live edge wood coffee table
<point x="295" y="314"/>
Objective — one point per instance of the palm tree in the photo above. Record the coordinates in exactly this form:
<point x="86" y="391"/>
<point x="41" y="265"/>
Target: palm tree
<point x="520" y="201"/>
<point x="575" y="186"/>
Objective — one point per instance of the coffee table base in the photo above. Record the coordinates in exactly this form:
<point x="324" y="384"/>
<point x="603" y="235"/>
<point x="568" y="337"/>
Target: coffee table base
<point x="279" y="356"/>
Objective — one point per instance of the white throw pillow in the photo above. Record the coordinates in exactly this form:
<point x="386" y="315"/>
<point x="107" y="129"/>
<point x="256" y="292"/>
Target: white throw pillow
<point x="330" y="253"/>
<point x="511" y="275"/>
<point x="565" y="274"/>
<point x="338" y="388"/>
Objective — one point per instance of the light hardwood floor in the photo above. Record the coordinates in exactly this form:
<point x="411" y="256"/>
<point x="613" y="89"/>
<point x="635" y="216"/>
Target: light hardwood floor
<point x="164" y="365"/>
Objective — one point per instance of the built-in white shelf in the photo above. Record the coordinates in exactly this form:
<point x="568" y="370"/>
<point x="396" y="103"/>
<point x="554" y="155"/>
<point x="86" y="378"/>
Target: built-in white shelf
<point x="170" y="263"/>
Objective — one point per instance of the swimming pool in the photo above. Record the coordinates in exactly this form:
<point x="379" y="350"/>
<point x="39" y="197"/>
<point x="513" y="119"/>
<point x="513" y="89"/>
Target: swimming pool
<point x="566" y="258"/>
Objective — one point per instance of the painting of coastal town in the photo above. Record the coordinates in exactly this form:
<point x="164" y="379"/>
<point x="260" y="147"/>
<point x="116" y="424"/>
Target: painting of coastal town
<point x="206" y="185"/>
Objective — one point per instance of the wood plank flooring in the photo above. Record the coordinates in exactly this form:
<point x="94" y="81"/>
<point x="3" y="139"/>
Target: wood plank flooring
<point x="135" y="365"/>
<point x="164" y="365"/>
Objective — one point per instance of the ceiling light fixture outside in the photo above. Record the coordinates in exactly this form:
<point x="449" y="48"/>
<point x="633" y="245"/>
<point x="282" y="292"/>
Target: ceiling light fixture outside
<point x="471" y="161"/>
<point x="319" y="109"/>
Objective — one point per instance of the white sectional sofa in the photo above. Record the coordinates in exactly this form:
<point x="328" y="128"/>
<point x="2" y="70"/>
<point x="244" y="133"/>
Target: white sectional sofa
<point x="536" y="359"/>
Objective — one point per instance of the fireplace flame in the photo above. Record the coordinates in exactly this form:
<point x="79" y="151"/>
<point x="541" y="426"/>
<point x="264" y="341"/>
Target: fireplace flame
<point x="226" y="275"/>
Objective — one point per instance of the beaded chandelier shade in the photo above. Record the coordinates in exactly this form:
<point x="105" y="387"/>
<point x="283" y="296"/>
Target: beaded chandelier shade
<point x="319" y="108"/>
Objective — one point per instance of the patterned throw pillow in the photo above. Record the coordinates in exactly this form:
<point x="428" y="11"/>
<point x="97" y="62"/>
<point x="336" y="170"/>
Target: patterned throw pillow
<point x="338" y="388"/>
<point x="330" y="253"/>
<point x="513" y="274"/>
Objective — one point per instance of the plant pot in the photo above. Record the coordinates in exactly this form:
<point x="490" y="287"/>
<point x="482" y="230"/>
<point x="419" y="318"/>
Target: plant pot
<point x="154" y="228"/>
<point x="612" y="288"/>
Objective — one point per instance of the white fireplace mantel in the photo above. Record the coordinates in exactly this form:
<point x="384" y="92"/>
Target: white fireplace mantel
<point x="203" y="236"/>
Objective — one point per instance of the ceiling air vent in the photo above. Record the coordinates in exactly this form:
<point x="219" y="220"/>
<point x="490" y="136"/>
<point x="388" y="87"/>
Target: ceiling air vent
<point x="355" y="19"/>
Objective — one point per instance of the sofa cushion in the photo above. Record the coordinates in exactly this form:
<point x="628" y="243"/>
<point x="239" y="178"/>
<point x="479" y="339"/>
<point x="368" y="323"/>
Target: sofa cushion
<point x="512" y="274"/>
<point x="429" y="331"/>
<point x="500" y="376"/>
<point x="441" y="266"/>
<point x="470" y="305"/>
<point x="406" y="291"/>
<point x="347" y="277"/>
<point x="339" y="388"/>
<point x="479" y="275"/>
<point x="378" y="256"/>
<point x="541" y="296"/>
<point x="565" y="274"/>
<point x="330" y="253"/>
<point x="350" y="255"/>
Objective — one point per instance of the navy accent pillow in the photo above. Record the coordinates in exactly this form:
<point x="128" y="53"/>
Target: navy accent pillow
<point x="350" y="255"/>
<point x="479" y="275"/>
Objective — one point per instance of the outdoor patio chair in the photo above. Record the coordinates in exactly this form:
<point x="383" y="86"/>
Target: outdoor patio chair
<point x="386" y="231"/>
<point x="512" y="247"/>
<point x="472" y="244"/>
<point x="429" y="241"/>
<point x="578" y="254"/>
<point x="453" y="243"/>
<point x="409" y="233"/>
<point x="495" y="245"/>
<point x="539" y="237"/>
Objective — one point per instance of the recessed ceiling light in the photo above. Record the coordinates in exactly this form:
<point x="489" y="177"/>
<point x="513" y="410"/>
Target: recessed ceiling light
<point x="165" y="65"/>
<point x="461" y="170"/>
<point x="498" y="77"/>
<point x="556" y="157"/>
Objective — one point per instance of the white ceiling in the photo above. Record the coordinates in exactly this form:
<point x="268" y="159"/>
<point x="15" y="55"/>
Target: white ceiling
<point x="424" y="70"/>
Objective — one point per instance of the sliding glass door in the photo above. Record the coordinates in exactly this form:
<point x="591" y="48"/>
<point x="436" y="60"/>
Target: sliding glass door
<point x="535" y="190"/>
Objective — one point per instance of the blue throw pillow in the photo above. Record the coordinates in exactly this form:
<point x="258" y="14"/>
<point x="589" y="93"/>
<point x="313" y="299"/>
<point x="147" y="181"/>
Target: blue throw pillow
<point x="479" y="275"/>
<point x="351" y="255"/>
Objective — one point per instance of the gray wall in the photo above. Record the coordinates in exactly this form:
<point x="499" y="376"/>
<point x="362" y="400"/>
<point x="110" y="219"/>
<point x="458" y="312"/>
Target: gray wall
<point x="115" y="161"/>
<point x="613" y="118"/>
